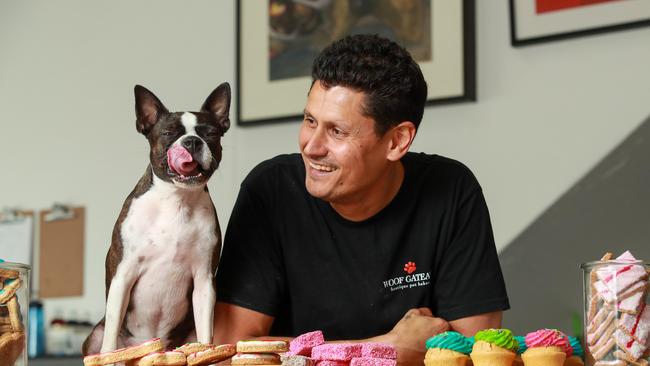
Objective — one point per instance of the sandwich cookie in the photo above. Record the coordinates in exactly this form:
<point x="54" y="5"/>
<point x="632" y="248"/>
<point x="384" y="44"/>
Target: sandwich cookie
<point x="189" y="348"/>
<point x="258" y="346"/>
<point x="124" y="354"/>
<point x="256" y="359"/>
<point x="170" y="358"/>
<point x="211" y="355"/>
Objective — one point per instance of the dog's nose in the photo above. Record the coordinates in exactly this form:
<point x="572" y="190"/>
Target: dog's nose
<point x="191" y="143"/>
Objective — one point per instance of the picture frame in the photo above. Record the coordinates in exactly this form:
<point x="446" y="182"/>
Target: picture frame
<point x="270" y="90"/>
<point x="536" y="21"/>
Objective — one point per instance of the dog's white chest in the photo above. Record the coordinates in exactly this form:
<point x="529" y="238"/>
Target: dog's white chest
<point x="168" y="235"/>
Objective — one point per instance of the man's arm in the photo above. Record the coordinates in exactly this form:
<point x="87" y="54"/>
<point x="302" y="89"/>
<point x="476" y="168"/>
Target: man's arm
<point x="470" y="325"/>
<point x="234" y="323"/>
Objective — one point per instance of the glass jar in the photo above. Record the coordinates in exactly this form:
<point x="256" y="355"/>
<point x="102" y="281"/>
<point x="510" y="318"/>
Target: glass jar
<point x="616" y="315"/>
<point x="14" y="307"/>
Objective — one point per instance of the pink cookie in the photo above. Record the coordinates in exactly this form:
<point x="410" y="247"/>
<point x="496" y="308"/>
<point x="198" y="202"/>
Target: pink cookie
<point x="631" y="303"/>
<point x="619" y="277"/>
<point x="336" y="351"/>
<point x="303" y="344"/>
<point x="332" y="363"/>
<point x="370" y="361"/>
<point x="637" y="325"/>
<point x="604" y="292"/>
<point x="630" y="345"/>
<point x="378" y="350"/>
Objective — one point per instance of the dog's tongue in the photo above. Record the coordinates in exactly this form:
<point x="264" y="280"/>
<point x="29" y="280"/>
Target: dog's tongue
<point x="181" y="161"/>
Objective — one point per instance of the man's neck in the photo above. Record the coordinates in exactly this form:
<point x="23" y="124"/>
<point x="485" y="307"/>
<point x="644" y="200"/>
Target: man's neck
<point x="373" y="201"/>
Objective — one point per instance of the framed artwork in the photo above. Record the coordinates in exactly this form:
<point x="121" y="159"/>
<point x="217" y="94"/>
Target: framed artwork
<point x="533" y="21"/>
<point x="277" y="43"/>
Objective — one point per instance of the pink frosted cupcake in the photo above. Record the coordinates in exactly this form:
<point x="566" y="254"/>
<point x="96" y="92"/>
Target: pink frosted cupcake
<point x="546" y="347"/>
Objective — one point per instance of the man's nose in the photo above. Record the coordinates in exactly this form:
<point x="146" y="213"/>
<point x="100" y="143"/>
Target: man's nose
<point x="315" y="145"/>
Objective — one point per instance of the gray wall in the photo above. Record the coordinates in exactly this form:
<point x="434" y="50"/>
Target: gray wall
<point x="607" y="210"/>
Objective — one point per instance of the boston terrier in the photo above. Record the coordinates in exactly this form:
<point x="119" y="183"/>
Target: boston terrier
<point x="166" y="241"/>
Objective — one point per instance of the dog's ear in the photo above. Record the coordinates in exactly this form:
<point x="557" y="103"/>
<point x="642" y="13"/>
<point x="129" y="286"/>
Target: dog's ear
<point x="218" y="102"/>
<point x="147" y="109"/>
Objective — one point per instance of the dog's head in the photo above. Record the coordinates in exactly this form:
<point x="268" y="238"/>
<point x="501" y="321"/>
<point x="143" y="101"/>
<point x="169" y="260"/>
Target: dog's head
<point x="185" y="146"/>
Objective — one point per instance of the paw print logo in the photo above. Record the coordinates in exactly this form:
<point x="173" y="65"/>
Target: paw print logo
<point x="409" y="267"/>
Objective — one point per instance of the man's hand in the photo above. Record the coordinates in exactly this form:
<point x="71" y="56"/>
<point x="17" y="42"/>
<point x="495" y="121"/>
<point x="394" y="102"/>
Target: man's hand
<point x="411" y="332"/>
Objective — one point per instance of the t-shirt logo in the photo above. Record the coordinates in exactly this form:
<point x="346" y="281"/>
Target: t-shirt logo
<point x="410" y="280"/>
<point x="409" y="267"/>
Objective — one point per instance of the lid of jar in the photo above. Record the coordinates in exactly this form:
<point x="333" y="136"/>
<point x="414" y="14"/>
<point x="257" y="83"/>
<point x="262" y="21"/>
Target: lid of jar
<point x="12" y="265"/>
<point x="638" y="262"/>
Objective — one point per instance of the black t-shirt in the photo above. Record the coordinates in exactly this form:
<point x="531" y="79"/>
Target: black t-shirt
<point x="293" y="257"/>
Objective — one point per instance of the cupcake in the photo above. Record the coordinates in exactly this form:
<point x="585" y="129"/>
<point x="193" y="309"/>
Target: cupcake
<point x="546" y="347"/>
<point x="448" y="349"/>
<point x="578" y="353"/>
<point x="521" y="340"/>
<point x="494" y="347"/>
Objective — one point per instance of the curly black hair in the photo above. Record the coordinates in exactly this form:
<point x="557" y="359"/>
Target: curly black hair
<point x="385" y="72"/>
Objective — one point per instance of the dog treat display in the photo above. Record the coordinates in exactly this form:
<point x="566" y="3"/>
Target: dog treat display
<point x="336" y="351"/>
<point x="378" y="350"/>
<point x="9" y="288"/>
<point x="618" y="319"/>
<point x="289" y="359"/>
<point x="576" y="357"/>
<point x="8" y="274"/>
<point x="256" y="359"/>
<point x="262" y="346"/>
<point x="546" y="347"/>
<point x="303" y="344"/>
<point x="310" y="349"/>
<point x="11" y="346"/>
<point x="12" y="333"/>
<point x="194" y="347"/>
<point x="170" y="358"/>
<point x="372" y="361"/>
<point x="331" y="363"/>
<point x="448" y="349"/>
<point x="259" y="352"/>
<point x="212" y="355"/>
<point x="494" y="347"/>
<point x="124" y="354"/>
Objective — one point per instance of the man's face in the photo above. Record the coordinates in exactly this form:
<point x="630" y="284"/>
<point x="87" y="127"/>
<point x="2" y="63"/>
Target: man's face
<point x="344" y="157"/>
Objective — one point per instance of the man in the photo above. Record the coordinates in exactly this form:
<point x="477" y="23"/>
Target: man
<point x="355" y="235"/>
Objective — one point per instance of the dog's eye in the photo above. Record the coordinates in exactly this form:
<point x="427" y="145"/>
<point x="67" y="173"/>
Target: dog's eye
<point x="167" y="133"/>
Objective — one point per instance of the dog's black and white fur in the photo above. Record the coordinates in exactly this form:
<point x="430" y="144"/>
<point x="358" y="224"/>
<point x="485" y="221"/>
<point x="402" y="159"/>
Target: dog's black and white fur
<point x="166" y="242"/>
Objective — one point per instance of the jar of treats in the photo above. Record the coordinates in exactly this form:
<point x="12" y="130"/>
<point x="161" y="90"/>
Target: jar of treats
<point x="14" y="307"/>
<point x="616" y="311"/>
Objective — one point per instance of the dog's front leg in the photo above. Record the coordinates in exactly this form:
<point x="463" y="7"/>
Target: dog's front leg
<point x="119" y="295"/>
<point x="203" y="299"/>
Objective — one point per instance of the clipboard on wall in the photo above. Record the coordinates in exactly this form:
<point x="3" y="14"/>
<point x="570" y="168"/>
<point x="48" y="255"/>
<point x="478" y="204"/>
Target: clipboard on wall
<point x="61" y="259"/>
<point x="16" y="236"/>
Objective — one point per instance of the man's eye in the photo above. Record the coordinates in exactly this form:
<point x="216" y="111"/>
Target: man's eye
<point x="310" y="121"/>
<point x="337" y="132"/>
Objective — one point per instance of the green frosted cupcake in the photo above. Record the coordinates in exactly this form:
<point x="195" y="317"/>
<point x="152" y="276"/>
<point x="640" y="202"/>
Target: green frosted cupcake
<point x="494" y="347"/>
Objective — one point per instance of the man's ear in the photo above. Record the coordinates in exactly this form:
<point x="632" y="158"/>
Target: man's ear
<point x="400" y="140"/>
<point x="148" y="109"/>
<point x="218" y="103"/>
